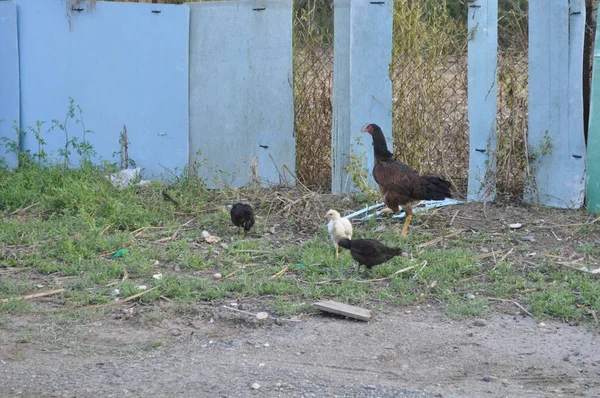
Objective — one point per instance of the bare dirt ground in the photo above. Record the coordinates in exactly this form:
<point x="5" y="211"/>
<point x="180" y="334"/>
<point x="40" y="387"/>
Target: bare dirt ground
<point x="414" y="351"/>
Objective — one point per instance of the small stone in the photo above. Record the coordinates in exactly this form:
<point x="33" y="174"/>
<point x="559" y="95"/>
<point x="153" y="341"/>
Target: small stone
<point x="255" y="386"/>
<point x="487" y="379"/>
<point x="470" y="296"/>
<point x="115" y="292"/>
<point x="528" y="238"/>
<point x="190" y="240"/>
<point x="484" y="250"/>
<point x="266" y="344"/>
<point x="157" y="276"/>
<point x="542" y="325"/>
<point x="141" y="287"/>
<point x="260" y="365"/>
<point x="217" y="275"/>
<point x="262" y="315"/>
<point x="388" y="347"/>
<point x="515" y="226"/>
<point x="370" y="387"/>
<point x="408" y="312"/>
<point x="175" y="332"/>
<point x="479" y="322"/>
<point x="39" y="286"/>
<point x="470" y="334"/>
<point x="574" y="323"/>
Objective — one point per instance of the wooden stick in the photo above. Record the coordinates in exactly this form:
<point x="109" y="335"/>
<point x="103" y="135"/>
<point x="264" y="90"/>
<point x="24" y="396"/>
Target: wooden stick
<point x="254" y="251"/>
<point x="254" y="315"/>
<point x="30" y="296"/>
<point x="506" y="255"/>
<point x="486" y="255"/>
<point x="523" y="309"/>
<point x="439" y="239"/>
<point x="233" y="273"/>
<point x="283" y="271"/>
<point x="24" y="209"/>
<point x="94" y="307"/>
<point x="388" y="277"/>
<point x="453" y="217"/>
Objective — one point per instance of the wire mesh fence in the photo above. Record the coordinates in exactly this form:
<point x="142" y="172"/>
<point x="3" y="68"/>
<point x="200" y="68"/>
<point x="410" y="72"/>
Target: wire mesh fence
<point x="429" y="80"/>
<point x="512" y="169"/>
<point x="313" y="90"/>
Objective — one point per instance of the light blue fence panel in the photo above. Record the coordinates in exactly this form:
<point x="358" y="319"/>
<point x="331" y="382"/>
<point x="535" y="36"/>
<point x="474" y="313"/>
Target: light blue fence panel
<point x="593" y="142"/>
<point x="241" y="98"/>
<point x="482" y="89"/>
<point x="122" y="63"/>
<point x="556" y="141"/>
<point x="362" y="88"/>
<point x="9" y="80"/>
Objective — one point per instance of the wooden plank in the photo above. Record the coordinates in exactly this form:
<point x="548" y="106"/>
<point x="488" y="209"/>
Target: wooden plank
<point x="593" y="148"/>
<point x="555" y="137"/>
<point x="482" y="90"/>
<point x="344" y="309"/>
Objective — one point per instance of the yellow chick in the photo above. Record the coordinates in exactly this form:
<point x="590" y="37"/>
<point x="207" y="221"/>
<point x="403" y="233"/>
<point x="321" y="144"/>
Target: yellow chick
<point x="339" y="228"/>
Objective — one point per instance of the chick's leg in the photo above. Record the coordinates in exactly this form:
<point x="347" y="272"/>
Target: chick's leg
<point x="409" y="213"/>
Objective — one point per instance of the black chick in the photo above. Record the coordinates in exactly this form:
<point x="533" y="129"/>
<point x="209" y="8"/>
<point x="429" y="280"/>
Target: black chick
<point x="242" y="215"/>
<point x="369" y="252"/>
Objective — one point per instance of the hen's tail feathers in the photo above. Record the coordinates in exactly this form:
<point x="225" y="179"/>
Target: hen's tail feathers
<point x="437" y="188"/>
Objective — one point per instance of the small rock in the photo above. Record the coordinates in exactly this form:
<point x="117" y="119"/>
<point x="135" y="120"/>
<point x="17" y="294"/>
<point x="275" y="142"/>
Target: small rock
<point x="470" y="296"/>
<point x="487" y="379"/>
<point x="262" y="315"/>
<point x="408" y="312"/>
<point x="479" y="322"/>
<point x="255" y="386"/>
<point x="176" y="268"/>
<point x="141" y="287"/>
<point x="115" y="292"/>
<point x="515" y="226"/>
<point x="266" y="344"/>
<point x="381" y="228"/>
<point x="370" y="387"/>
<point x="388" y="347"/>
<point x="175" y="332"/>
<point x="39" y="286"/>
<point x="484" y="250"/>
<point x="470" y="334"/>
<point x="190" y="240"/>
<point x="217" y="276"/>
<point x="542" y="325"/>
<point x="574" y="323"/>
<point x="528" y="238"/>
<point x="260" y="365"/>
<point x="157" y="276"/>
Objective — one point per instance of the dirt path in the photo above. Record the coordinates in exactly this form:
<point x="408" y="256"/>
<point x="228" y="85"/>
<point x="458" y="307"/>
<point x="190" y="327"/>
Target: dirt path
<point x="413" y="352"/>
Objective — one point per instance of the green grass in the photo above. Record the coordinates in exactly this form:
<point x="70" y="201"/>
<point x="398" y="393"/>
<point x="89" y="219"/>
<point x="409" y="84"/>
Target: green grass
<point x="58" y="225"/>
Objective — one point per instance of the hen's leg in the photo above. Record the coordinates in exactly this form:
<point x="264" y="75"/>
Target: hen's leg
<point x="337" y="251"/>
<point x="409" y="213"/>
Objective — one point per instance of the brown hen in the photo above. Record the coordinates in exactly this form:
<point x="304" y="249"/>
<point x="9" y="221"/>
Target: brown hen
<point x="398" y="183"/>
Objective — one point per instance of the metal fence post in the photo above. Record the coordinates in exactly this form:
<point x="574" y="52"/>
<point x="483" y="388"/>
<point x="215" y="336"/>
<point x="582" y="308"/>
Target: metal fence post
<point x="593" y="144"/>
<point x="556" y="141"/>
<point x="362" y="90"/>
<point x="482" y="101"/>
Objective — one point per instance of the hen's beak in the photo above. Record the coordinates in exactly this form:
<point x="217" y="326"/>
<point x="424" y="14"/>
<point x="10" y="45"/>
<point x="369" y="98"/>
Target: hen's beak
<point x="364" y="129"/>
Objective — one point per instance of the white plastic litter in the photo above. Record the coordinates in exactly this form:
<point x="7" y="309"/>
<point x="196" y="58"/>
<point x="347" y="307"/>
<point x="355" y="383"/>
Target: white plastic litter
<point x="424" y="205"/>
<point x="127" y="177"/>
